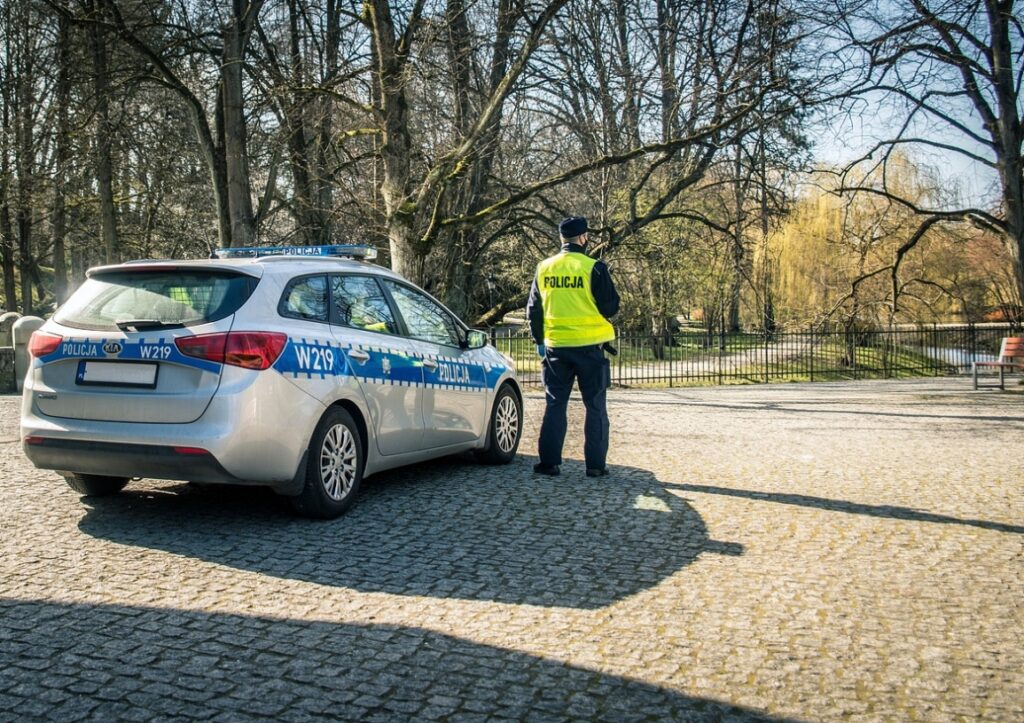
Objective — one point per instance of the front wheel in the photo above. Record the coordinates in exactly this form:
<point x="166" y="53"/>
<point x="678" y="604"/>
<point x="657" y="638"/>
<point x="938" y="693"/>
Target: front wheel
<point x="334" y="467"/>
<point x="96" y="485"/>
<point x="505" y="429"/>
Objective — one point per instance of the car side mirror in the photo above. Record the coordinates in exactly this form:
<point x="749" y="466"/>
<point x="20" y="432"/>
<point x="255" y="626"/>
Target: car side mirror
<point x="476" y="339"/>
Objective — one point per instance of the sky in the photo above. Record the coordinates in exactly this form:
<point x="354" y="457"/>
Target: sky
<point x="845" y="140"/>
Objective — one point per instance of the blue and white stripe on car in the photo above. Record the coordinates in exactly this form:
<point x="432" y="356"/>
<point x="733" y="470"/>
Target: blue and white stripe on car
<point x="304" y="357"/>
<point x="159" y="349"/>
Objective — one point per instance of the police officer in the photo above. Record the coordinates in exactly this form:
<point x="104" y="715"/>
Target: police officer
<point x="570" y="303"/>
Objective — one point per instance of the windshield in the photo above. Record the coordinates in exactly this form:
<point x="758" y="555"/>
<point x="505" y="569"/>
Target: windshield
<point x="139" y="298"/>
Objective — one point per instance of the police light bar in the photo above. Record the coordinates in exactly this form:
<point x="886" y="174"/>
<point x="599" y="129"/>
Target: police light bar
<point x="348" y="251"/>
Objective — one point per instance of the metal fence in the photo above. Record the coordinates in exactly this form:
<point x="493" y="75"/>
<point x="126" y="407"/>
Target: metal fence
<point x="697" y="357"/>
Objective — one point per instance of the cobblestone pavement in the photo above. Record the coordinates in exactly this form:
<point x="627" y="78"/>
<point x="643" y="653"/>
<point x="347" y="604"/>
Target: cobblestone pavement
<point x="810" y="552"/>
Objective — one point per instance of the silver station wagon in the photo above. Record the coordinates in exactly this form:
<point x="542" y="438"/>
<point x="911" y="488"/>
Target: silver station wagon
<point x="302" y="369"/>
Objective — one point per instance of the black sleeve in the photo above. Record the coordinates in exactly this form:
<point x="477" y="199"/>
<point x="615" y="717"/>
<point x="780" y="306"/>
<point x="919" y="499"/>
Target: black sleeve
<point x="603" y="289"/>
<point x="535" y="313"/>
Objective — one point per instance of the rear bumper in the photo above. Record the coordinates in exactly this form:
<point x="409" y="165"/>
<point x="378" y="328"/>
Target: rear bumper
<point x="256" y="433"/>
<point x="125" y="460"/>
<point x="143" y="460"/>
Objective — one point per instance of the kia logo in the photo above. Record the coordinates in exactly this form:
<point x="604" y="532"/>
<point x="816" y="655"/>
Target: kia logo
<point x="111" y="347"/>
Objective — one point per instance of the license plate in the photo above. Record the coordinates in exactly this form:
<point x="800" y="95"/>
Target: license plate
<point x="116" y="374"/>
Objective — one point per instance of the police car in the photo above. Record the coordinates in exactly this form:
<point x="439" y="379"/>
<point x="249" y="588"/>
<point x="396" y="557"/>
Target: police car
<point x="302" y="369"/>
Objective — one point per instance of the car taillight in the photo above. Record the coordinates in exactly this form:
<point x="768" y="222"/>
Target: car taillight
<point x="248" y="349"/>
<point x="40" y="344"/>
<point x="203" y="346"/>
<point x="254" y="349"/>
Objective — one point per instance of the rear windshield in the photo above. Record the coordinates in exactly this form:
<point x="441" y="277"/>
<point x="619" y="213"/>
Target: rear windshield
<point x="168" y="297"/>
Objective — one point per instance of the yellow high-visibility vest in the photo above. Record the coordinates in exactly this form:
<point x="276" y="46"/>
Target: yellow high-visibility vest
<point x="571" y="317"/>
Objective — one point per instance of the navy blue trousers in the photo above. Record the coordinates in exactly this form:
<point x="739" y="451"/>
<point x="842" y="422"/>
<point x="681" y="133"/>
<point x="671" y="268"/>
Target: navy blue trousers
<point x="588" y="366"/>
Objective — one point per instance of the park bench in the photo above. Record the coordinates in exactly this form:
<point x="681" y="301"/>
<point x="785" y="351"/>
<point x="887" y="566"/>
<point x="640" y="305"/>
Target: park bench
<point x="1011" y="356"/>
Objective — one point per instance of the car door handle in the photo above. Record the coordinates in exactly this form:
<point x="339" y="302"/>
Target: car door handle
<point x="430" y="364"/>
<point x="360" y="356"/>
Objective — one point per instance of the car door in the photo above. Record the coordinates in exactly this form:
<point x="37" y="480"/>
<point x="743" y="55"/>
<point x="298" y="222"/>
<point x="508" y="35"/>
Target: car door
<point x="455" y="390"/>
<point x="387" y="364"/>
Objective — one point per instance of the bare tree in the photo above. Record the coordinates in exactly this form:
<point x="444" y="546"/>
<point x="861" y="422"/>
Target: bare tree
<point x="704" y="85"/>
<point x="301" y="68"/>
<point x="453" y="134"/>
<point x="156" y="36"/>
<point x="26" y="97"/>
<point x="415" y="202"/>
<point x="939" y="67"/>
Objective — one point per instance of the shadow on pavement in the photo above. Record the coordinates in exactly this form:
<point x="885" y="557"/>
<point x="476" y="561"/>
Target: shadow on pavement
<point x="894" y="512"/>
<point x="446" y="529"/>
<point x="108" y="662"/>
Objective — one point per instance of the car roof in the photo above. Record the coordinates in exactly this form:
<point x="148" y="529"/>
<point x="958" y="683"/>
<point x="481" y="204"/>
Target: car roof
<point x="257" y="267"/>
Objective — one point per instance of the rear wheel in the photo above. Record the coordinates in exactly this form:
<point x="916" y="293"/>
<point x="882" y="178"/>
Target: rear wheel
<point x="505" y="430"/>
<point x="334" y="467"/>
<point x="96" y="485"/>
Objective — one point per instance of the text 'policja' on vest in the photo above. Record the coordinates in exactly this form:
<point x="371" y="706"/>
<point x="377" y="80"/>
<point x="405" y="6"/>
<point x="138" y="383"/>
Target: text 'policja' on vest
<point x="563" y="282"/>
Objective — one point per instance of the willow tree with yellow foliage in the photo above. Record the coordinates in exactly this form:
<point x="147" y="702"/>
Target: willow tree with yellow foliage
<point x="856" y="259"/>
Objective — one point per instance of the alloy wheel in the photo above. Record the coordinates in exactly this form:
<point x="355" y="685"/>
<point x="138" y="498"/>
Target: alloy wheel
<point x="338" y="462"/>
<point x="506" y="423"/>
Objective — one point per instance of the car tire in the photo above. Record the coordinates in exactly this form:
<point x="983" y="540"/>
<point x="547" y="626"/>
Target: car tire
<point x="504" y="430"/>
<point x="96" y="485"/>
<point x="334" y="467"/>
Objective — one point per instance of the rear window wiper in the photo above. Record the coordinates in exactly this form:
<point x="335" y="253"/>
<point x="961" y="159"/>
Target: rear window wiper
<point x="146" y="324"/>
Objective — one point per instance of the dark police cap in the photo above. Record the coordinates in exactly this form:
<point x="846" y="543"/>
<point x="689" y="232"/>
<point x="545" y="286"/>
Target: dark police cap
<point x="572" y="227"/>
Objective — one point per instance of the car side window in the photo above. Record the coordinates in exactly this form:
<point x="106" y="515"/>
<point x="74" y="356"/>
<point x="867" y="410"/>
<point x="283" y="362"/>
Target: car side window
<point x="305" y="298"/>
<point x="359" y="302"/>
<point x="424" y="318"/>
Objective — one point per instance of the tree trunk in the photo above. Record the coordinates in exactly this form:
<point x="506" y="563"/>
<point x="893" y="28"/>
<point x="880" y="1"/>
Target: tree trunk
<point x="104" y="143"/>
<point x="497" y="312"/>
<point x="667" y="39"/>
<point x="79" y="264"/>
<point x="6" y="178"/>
<point x="1010" y="172"/>
<point x="24" y="230"/>
<point x="630" y="109"/>
<point x="396" y="144"/>
<point x="767" y="275"/>
<point x="466" y="247"/>
<point x="737" y="249"/>
<point x="236" y="160"/>
<point x="24" y="161"/>
<point x="61" y="157"/>
<point x="1010" y="134"/>
<point x="405" y="256"/>
<point x="307" y="124"/>
<point x="324" y="183"/>
<point x="7" y="256"/>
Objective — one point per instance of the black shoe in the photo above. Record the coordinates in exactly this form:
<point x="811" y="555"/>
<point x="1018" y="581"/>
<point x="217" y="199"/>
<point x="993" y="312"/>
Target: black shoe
<point x="549" y="469"/>
<point x="600" y="472"/>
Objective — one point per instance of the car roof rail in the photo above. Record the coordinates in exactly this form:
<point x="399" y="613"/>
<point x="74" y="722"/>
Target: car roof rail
<point x="359" y="252"/>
